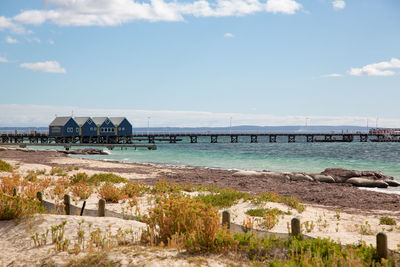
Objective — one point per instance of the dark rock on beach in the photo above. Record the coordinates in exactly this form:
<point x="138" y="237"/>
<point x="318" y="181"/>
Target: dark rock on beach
<point x="85" y="151"/>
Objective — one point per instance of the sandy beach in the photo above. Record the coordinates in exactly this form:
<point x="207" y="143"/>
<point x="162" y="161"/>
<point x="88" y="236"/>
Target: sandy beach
<point x="341" y="212"/>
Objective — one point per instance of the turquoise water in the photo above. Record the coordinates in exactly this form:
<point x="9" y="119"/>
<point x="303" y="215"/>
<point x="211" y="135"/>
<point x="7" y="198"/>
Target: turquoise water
<point x="307" y="157"/>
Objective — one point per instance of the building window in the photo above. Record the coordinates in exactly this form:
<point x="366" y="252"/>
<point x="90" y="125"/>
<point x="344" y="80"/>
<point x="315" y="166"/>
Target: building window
<point x="123" y="128"/>
<point x="119" y="128"/>
<point x="112" y="129"/>
<point x="70" y="130"/>
<point x="77" y="130"/>
<point x="89" y="121"/>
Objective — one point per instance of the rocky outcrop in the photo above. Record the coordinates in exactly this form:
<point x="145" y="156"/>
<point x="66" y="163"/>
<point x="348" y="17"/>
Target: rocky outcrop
<point x="247" y="173"/>
<point x="342" y="175"/>
<point x="85" y="151"/>
<point x="300" y="177"/>
<point x="363" y="182"/>
<point x="323" y="178"/>
<point x="277" y="175"/>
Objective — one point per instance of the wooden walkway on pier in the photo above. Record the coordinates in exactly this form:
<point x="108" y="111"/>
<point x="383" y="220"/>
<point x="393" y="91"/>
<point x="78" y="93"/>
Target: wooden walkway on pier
<point x="193" y="137"/>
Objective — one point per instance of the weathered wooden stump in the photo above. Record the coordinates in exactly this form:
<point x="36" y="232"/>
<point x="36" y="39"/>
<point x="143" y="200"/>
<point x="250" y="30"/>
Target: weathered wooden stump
<point x="295" y="224"/>
<point x="67" y="204"/>
<point x="14" y="191"/>
<point x="226" y="219"/>
<point x="39" y="196"/>
<point x="102" y="207"/>
<point x="381" y="246"/>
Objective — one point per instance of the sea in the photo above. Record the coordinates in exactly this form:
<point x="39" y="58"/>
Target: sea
<point x="280" y="156"/>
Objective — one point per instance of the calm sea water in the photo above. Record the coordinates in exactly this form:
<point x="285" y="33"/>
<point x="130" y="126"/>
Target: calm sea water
<point x="307" y="157"/>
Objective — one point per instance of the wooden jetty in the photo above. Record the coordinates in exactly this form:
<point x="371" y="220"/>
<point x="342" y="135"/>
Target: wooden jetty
<point x="193" y="137"/>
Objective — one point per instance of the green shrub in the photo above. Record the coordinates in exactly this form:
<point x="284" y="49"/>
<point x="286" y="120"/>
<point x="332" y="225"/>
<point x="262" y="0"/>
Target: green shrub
<point x="96" y="179"/>
<point x="133" y="189"/>
<point x="107" y="177"/>
<point x="16" y="207"/>
<point x="290" y="201"/>
<point x="163" y="187"/>
<point x="260" y="212"/>
<point x="187" y="222"/>
<point x="5" y="167"/>
<point x="223" y="198"/>
<point x="98" y="259"/>
<point x="111" y="193"/>
<point x="387" y="221"/>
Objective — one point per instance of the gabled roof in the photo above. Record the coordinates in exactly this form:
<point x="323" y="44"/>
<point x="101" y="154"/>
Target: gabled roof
<point x="60" y="121"/>
<point x="81" y="120"/>
<point x="99" y="120"/>
<point x="116" y="120"/>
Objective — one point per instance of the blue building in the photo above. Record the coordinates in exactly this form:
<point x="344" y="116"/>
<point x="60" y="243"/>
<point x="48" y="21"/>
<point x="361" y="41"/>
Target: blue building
<point x="104" y="126"/>
<point x="122" y="126"/>
<point x="63" y="126"/>
<point x="86" y="126"/>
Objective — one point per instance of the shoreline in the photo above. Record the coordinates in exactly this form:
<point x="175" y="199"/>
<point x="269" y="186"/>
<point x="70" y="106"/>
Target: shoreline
<point x="332" y="195"/>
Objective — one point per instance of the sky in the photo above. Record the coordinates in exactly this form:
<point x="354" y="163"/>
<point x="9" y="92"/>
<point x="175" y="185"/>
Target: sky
<point x="201" y="62"/>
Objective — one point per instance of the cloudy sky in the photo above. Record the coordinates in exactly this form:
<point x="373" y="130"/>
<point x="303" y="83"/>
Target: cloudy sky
<point x="200" y="62"/>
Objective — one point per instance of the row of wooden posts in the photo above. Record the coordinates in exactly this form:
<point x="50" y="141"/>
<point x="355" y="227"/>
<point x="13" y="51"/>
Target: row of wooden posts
<point x="381" y="238"/>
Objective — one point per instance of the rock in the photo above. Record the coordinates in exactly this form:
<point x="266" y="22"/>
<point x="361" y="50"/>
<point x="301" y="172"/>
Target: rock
<point x="323" y="178"/>
<point x="247" y="173"/>
<point x="392" y="182"/>
<point x="362" y="182"/>
<point x="300" y="177"/>
<point x="341" y="175"/>
<point x="277" y="175"/>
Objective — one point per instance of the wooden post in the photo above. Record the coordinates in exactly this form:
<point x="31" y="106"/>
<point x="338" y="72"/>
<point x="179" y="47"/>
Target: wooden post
<point x="102" y="207"/>
<point x="15" y="192"/>
<point x="67" y="204"/>
<point x="39" y="196"/>
<point x="381" y="246"/>
<point x="83" y="207"/>
<point x="295" y="227"/>
<point x="226" y="219"/>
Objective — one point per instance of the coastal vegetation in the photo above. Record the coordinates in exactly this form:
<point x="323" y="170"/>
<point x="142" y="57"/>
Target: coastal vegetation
<point x="183" y="217"/>
<point x="5" y="167"/>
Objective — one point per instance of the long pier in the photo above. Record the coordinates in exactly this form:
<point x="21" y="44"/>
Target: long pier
<point x="110" y="142"/>
<point x="193" y="137"/>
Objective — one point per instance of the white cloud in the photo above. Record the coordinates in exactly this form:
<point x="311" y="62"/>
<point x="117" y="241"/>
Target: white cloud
<point x="47" y="66"/>
<point x="33" y="40"/>
<point x="116" y="12"/>
<point x="51" y="42"/>
<point x="229" y="35"/>
<point x="332" y="75"/>
<point x="8" y="24"/>
<point x="11" y="40"/>
<point x="34" y="115"/>
<point x="3" y="60"/>
<point x="283" y="6"/>
<point x="377" y="69"/>
<point x="338" y="4"/>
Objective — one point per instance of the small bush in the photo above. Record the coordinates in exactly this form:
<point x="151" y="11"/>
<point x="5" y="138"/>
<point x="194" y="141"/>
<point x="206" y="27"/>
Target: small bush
<point x="107" y="177"/>
<point x="58" y="171"/>
<point x="111" y="193"/>
<point x="387" y="221"/>
<point x="132" y="189"/>
<point x="163" y="187"/>
<point x="98" y="259"/>
<point x="16" y="207"/>
<point x="290" y="201"/>
<point x="82" y="190"/>
<point x="5" y="167"/>
<point x="8" y="184"/>
<point x="223" y="198"/>
<point x="261" y="212"/>
<point x="80" y="177"/>
<point x="188" y="222"/>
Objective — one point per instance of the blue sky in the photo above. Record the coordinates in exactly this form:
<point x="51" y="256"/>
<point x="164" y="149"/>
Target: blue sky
<point x="267" y="62"/>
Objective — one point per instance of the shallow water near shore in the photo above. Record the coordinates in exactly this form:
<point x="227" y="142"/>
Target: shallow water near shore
<point x="304" y="157"/>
